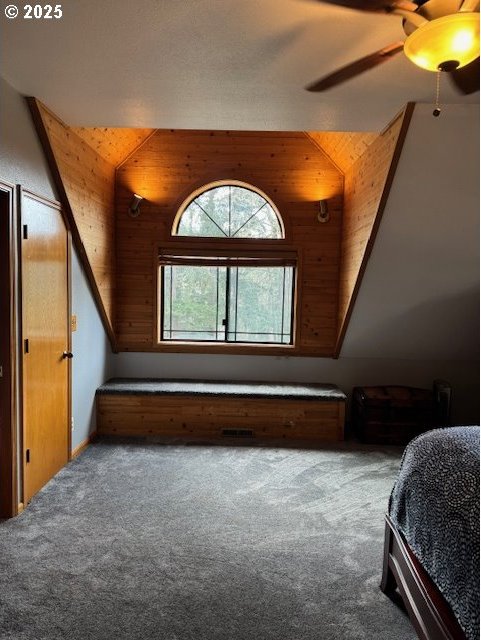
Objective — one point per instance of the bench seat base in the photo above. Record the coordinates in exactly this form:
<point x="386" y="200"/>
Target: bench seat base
<point x="207" y="415"/>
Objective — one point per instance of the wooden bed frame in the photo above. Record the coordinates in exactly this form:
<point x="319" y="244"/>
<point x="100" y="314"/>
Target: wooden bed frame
<point x="429" y="612"/>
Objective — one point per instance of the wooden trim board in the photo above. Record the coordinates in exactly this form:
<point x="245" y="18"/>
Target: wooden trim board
<point x="69" y="335"/>
<point x="9" y="385"/>
<point x="80" y="448"/>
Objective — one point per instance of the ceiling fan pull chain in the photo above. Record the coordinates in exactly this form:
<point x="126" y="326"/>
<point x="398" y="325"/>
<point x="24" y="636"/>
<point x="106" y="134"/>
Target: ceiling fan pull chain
<point x="437" y="106"/>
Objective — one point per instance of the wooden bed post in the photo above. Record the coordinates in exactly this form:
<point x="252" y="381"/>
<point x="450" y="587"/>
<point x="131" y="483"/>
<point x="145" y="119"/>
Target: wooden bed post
<point x="388" y="581"/>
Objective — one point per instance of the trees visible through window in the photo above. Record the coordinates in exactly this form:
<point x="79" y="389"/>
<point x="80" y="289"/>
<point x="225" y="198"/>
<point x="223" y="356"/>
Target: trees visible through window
<point x="228" y="304"/>
<point x="224" y="295"/>
<point x="229" y="211"/>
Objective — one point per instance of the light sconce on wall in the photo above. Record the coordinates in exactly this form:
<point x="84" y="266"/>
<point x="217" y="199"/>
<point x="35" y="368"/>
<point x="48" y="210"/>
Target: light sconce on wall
<point x="134" y="206"/>
<point x="323" y="215"/>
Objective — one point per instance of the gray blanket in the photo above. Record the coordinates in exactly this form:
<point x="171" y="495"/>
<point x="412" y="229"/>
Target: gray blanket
<point x="435" y="505"/>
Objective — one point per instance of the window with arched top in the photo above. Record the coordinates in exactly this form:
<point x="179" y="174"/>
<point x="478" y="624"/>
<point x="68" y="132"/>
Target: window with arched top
<point x="229" y="210"/>
<point x="227" y="292"/>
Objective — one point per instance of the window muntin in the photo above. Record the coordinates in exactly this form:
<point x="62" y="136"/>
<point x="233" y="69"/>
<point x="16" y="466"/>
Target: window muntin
<point x="239" y="304"/>
<point x="230" y="210"/>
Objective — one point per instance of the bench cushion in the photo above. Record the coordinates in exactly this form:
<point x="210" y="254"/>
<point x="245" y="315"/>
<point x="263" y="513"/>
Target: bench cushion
<point x="241" y="389"/>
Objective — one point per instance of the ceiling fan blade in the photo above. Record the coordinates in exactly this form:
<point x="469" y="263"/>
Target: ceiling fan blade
<point x="377" y="6"/>
<point x="466" y="79"/>
<point x="469" y="5"/>
<point x="356" y="68"/>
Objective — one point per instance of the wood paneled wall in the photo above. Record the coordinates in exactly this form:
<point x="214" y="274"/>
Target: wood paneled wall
<point x="288" y="167"/>
<point x="294" y="169"/>
<point x="86" y="184"/>
<point x="367" y="184"/>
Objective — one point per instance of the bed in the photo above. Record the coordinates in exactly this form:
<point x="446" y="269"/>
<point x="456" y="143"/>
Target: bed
<point x="431" y="552"/>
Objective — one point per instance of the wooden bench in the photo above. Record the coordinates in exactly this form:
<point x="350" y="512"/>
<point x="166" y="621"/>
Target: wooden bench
<point x="212" y="409"/>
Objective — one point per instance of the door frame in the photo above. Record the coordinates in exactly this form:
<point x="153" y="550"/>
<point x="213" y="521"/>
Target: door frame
<point x="21" y="193"/>
<point x="9" y="505"/>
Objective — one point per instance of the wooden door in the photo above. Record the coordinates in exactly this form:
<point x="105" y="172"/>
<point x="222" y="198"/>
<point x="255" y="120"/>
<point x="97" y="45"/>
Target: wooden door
<point x="46" y="342"/>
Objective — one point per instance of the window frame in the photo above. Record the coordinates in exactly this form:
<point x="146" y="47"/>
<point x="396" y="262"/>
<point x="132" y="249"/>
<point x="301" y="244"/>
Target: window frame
<point x="237" y="249"/>
<point x="204" y="246"/>
<point x="230" y="260"/>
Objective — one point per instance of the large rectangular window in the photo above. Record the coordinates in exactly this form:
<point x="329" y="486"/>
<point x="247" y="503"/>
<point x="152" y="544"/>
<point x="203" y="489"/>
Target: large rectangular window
<point x="215" y="302"/>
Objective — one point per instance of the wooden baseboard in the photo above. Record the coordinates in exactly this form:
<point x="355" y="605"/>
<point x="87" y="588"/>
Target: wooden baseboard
<point x="20" y="508"/>
<point x="83" y="445"/>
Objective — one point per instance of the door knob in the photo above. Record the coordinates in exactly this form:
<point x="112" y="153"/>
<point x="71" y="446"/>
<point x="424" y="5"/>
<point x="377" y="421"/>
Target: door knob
<point x="67" y="354"/>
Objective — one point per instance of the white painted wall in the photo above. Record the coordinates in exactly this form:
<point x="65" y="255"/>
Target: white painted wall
<point x="92" y="355"/>
<point x="419" y="300"/>
<point x="420" y="292"/>
<point x="416" y="317"/>
<point x="22" y="162"/>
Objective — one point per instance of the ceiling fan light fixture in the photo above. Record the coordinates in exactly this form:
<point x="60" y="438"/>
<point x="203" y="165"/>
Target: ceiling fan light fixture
<point x="452" y="39"/>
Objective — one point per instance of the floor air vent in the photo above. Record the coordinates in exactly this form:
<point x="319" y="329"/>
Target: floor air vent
<point x="238" y="433"/>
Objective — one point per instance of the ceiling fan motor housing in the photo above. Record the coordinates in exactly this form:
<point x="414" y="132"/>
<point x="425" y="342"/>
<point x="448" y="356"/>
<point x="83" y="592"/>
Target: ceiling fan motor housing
<point x="445" y="43"/>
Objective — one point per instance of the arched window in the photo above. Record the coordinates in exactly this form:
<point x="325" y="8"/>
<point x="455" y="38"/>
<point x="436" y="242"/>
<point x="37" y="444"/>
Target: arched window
<point x="229" y="210"/>
<point x="233" y="293"/>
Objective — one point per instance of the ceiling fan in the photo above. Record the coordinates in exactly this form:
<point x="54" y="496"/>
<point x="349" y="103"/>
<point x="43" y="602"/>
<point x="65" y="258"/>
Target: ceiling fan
<point x="442" y="35"/>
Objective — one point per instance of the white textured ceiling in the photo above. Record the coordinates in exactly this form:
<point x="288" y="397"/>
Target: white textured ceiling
<point x="211" y="64"/>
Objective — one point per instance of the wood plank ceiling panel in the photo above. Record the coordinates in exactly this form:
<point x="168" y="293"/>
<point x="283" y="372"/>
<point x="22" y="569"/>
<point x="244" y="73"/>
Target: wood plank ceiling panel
<point x="345" y="147"/>
<point x="113" y="144"/>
